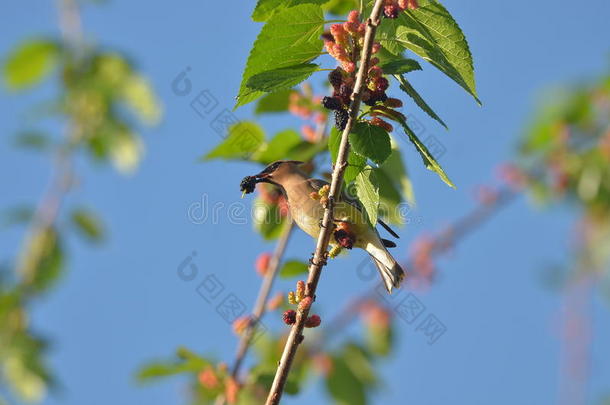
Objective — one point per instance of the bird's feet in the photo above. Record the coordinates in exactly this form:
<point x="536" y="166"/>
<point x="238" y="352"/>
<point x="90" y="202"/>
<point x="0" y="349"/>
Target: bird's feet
<point x="322" y="262"/>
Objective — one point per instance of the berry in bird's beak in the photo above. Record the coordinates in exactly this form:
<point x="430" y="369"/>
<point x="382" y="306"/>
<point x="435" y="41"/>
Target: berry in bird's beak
<point x="249" y="183"/>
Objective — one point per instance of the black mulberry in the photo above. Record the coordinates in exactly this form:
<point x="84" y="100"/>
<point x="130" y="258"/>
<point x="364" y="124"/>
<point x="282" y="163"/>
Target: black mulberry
<point x="341" y="117"/>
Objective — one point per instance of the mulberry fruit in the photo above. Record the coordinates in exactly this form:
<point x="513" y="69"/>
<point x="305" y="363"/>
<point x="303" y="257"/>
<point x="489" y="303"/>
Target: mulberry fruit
<point x="341" y="117"/>
<point x="290" y="317"/>
<point x="381" y="84"/>
<point x="335" y="78"/>
<point x="331" y="103"/>
<point x="344" y="239"/>
<point x="391" y="11"/>
<point x="313" y="321"/>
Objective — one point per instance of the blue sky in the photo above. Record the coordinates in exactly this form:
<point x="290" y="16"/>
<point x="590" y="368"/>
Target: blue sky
<point x="123" y="304"/>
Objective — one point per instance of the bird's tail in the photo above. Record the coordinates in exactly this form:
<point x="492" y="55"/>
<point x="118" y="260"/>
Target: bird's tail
<point x="391" y="272"/>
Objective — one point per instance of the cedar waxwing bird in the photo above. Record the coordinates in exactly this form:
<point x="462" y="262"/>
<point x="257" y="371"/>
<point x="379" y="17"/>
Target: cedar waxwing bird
<point x="352" y="228"/>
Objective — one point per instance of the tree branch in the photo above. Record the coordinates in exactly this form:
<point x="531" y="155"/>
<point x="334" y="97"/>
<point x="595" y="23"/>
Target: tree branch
<point x="319" y="259"/>
<point x="49" y="207"/>
<point x="263" y="296"/>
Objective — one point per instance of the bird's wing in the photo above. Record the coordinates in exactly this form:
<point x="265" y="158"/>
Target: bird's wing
<point x="317" y="184"/>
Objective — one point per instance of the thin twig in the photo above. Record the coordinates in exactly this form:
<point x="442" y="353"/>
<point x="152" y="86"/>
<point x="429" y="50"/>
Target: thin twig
<point x="295" y="337"/>
<point x="263" y="296"/>
<point x="260" y="305"/>
<point x="49" y="207"/>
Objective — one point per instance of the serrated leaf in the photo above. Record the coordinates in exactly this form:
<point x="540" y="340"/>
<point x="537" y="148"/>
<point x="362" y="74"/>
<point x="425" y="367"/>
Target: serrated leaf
<point x="244" y="139"/>
<point x="367" y="191"/>
<point x="278" y="147"/>
<point x="274" y="102"/>
<point x="290" y="37"/>
<point x="355" y="162"/>
<point x="370" y="141"/>
<point x="421" y="103"/>
<point x="30" y="62"/>
<point x="282" y="78"/>
<point x="88" y="224"/>
<point x="293" y="268"/>
<point x="400" y="66"/>
<point x="428" y="159"/>
<point x="265" y="8"/>
<point x="431" y="32"/>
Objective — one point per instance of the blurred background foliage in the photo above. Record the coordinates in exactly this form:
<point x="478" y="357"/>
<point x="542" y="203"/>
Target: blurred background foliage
<point x="101" y="101"/>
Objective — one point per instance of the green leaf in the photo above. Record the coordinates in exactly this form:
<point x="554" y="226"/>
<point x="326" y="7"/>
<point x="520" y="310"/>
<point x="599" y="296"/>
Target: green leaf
<point x="290" y="37"/>
<point x="185" y="362"/>
<point x="359" y="362"/>
<point x="32" y="140"/>
<point x="244" y="139"/>
<point x="367" y="191"/>
<point x="126" y="151"/>
<point x="341" y="7"/>
<point x="293" y="268"/>
<point x="432" y="33"/>
<point x="267" y="220"/>
<point x="88" y="224"/>
<point x="370" y="141"/>
<point x="428" y="159"/>
<point x="265" y="8"/>
<point x="282" y="78"/>
<point x="274" y="102"/>
<point x="306" y="151"/>
<point x="278" y="147"/>
<point x="29" y="386"/>
<point x="400" y="66"/>
<point x="407" y="88"/>
<point x="30" y="62"/>
<point x="343" y="386"/>
<point x="389" y="199"/>
<point x="380" y="340"/>
<point x="396" y="171"/>
<point x="42" y="261"/>
<point x="140" y="97"/>
<point x="355" y="162"/>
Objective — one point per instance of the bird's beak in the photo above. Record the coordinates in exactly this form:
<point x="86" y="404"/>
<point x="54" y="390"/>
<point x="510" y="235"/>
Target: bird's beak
<point x="249" y="182"/>
<point x="265" y="178"/>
